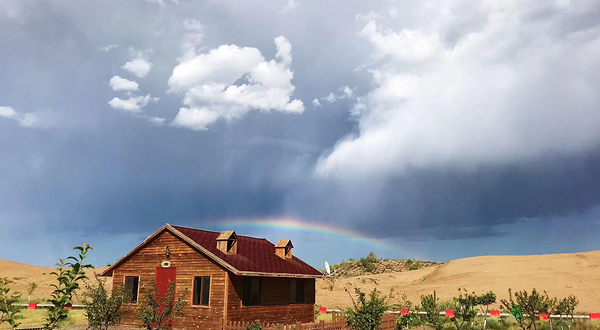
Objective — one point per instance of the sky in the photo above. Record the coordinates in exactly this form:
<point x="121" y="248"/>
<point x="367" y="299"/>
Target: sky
<point x="430" y="129"/>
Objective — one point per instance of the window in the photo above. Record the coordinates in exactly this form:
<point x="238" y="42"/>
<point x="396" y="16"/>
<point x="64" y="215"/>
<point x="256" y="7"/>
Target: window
<point x="201" y="291"/>
<point x="131" y="286"/>
<point x="251" y="295"/>
<point x="297" y="291"/>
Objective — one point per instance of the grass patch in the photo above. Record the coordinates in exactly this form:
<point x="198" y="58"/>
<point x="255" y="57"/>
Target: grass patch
<point x="35" y="318"/>
<point x="324" y="317"/>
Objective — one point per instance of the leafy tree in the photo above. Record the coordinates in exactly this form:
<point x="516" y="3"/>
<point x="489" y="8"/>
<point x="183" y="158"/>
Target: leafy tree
<point x="70" y="272"/>
<point x="432" y="307"/>
<point x="485" y="300"/>
<point x="9" y="312"/>
<point x="156" y="312"/>
<point x="528" y="307"/>
<point x="103" y="310"/>
<point x="566" y="306"/>
<point x="366" y="314"/>
<point x="32" y="286"/>
<point x="465" y="312"/>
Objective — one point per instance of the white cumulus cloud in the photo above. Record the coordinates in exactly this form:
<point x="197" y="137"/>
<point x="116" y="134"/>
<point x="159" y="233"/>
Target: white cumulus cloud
<point x="39" y="119"/>
<point x="229" y="81"/>
<point x="344" y="92"/>
<point x="138" y="66"/>
<point x="7" y="112"/>
<point x="133" y="104"/>
<point x="496" y="83"/>
<point x="121" y="84"/>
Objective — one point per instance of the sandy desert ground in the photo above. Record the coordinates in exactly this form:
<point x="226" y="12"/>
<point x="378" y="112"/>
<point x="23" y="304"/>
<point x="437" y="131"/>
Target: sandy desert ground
<point x="558" y="274"/>
<point x="23" y="274"/>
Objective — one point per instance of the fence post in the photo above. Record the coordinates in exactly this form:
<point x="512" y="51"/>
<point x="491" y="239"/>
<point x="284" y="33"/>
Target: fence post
<point x="322" y="325"/>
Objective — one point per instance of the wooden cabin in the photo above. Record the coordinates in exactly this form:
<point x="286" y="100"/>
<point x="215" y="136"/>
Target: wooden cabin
<point x="230" y="277"/>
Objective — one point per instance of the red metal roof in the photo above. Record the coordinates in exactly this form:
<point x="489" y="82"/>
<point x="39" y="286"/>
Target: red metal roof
<point x="253" y="254"/>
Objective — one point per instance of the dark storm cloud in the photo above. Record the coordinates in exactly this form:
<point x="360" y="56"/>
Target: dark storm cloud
<point x="454" y="204"/>
<point x="102" y="170"/>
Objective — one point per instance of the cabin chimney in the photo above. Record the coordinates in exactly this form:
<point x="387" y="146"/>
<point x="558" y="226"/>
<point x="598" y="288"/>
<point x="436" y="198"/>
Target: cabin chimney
<point x="227" y="242"/>
<point x="283" y="249"/>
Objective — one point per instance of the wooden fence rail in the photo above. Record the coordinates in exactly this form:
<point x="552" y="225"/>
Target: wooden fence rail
<point x="338" y="322"/>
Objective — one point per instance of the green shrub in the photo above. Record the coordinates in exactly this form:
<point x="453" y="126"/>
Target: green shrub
<point x="103" y="310"/>
<point x="366" y="314"/>
<point x="585" y="325"/>
<point x="465" y="313"/>
<point x="496" y="325"/>
<point x="414" y="265"/>
<point x="9" y="312"/>
<point x="430" y="304"/>
<point x="408" y="321"/>
<point x="30" y="289"/>
<point x="68" y="275"/>
<point x="156" y="312"/>
<point x="484" y="301"/>
<point x="566" y="306"/>
<point x="528" y="307"/>
<point x="254" y="326"/>
<point x="369" y="262"/>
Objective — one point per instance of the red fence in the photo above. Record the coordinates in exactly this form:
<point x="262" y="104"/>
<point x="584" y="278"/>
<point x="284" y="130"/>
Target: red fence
<point x="338" y="322"/>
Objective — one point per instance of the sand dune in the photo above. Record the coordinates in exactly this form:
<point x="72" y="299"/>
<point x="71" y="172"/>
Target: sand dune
<point x="558" y="274"/>
<point x="23" y="274"/>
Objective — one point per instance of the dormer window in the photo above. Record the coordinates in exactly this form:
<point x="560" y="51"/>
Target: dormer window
<point x="283" y="248"/>
<point x="227" y="242"/>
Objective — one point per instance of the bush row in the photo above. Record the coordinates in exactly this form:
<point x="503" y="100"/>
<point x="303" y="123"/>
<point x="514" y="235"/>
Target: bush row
<point x="525" y="307"/>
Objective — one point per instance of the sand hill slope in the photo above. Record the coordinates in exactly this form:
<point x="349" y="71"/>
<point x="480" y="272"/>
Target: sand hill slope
<point x="23" y="274"/>
<point x="558" y="274"/>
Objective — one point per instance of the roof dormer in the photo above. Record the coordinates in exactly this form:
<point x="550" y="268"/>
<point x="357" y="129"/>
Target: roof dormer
<point x="283" y="248"/>
<point x="227" y="242"/>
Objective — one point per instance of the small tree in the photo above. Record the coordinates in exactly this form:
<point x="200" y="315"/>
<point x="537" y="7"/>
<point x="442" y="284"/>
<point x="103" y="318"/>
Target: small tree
<point x="103" y="310"/>
<point x="400" y="303"/>
<point x="566" y="307"/>
<point x="366" y="314"/>
<point x="485" y="300"/>
<point x="32" y="286"/>
<point x="432" y="307"/>
<point x="9" y="312"/>
<point x="465" y="313"/>
<point x="70" y="272"/>
<point x="156" y="312"/>
<point x="528" y="308"/>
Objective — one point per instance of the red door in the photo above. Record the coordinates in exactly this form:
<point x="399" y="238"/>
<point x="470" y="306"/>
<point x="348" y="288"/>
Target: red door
<point x="163" y="278"/>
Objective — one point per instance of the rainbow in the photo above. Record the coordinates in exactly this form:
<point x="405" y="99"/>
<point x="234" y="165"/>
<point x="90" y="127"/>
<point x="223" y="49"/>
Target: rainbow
<point x="303" y="226"/>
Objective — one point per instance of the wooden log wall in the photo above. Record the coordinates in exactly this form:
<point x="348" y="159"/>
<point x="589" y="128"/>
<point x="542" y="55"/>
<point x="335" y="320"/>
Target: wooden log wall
<point x="275" y="306"/>
<point x="189" y="263"/>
